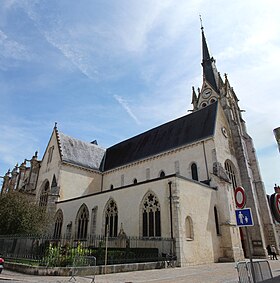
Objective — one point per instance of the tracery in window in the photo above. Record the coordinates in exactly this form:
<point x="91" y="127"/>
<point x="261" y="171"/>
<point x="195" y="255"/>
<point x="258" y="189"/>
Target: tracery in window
<point x="151" y="220"/>
<point x="230" y="170"/>
<point x="111" y="219"/>
<point x="82" y="222"/>
<point x="44" y="195"/>
<point x="58" y="224"/>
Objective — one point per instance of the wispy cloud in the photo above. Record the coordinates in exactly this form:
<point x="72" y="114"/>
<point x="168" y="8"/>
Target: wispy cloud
<point x="126" y="107"/>
<point x="11" y="48"/>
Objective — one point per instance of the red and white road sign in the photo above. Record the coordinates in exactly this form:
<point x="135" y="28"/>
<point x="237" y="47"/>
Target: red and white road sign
<point x="240" y="197"/>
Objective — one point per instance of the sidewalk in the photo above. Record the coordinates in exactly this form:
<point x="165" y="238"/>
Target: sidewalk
<point x="210" y="273"/>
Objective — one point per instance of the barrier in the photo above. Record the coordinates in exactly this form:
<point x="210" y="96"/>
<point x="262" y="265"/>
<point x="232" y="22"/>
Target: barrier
<point x="262" y="271"/>
<point x="81" y="263"/>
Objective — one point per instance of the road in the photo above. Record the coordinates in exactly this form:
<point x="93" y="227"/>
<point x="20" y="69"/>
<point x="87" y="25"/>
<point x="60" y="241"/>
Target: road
<point x="210" y="273"/>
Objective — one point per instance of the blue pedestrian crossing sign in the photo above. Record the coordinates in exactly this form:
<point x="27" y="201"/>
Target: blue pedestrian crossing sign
<point x="244" y="217"/>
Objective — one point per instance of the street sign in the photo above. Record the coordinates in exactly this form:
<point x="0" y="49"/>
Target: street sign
<point x="240" y="197"/>
<point x="244" y="217"/>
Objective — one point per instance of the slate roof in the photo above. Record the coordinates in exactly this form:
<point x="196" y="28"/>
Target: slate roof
<point x="80" y="153"/>
<point x="196" y="126"/>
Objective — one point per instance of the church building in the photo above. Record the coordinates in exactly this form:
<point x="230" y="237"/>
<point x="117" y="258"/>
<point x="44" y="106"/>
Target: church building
<point x="174" y="181"/>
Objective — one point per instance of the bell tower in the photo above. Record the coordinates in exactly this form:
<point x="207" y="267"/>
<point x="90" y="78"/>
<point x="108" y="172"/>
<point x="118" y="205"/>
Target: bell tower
<point x="215" y="88"/>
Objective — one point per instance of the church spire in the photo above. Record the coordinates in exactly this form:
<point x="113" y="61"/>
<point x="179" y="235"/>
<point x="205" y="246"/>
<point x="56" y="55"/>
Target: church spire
<point x="208" y="63"/>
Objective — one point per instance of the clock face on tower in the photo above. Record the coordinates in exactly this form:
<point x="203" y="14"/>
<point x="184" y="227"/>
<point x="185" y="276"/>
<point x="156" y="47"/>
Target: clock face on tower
<point x="206" y="93"/>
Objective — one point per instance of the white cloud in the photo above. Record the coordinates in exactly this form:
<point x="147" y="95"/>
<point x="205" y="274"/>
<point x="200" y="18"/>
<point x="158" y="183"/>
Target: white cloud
<point x="11" y="48"/>
<point x="126" y="107"/>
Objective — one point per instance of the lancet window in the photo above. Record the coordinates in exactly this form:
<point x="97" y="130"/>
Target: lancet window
<point x="58" y="225"/>
<point x="151" y="221"/>
<point x="111" y="219"/>
<point x="231" y="173"/>
<point x="82" y="222"/>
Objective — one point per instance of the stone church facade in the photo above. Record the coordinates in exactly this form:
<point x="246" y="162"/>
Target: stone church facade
<point x="175" y="181"/>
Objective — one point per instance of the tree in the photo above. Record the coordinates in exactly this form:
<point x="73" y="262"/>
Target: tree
<point x="20" y="215"/>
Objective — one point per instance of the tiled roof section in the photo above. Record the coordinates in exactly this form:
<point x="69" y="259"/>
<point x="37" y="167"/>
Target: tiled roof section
<point x="80" y="153"/>
<point x="185" y="130"/>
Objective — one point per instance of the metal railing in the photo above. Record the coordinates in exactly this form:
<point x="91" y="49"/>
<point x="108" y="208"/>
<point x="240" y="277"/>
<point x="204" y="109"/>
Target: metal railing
<point x="47" y="251"/>
<point x="262" y="271"/>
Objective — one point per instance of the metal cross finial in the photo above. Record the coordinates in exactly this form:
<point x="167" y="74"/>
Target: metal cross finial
<point x="201" y="22"/>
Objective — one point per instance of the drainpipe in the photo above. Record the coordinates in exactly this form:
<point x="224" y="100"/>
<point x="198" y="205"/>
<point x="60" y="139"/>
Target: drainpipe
<point x="205" y="159"/>
<point x="170" y="207"/>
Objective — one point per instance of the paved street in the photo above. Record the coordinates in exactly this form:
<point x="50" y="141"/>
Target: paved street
<point x="210" y="273"/>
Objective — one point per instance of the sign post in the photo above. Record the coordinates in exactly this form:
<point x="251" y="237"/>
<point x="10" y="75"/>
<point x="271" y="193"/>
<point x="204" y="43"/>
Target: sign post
<point x="244" y="219"/>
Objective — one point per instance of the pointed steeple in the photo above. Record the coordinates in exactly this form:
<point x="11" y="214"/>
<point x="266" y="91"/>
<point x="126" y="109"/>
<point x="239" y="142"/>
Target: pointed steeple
<point x="208" y="63"/>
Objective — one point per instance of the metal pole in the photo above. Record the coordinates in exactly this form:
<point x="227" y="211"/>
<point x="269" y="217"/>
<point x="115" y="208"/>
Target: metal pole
<point x="106" y="248"/>
<point x="250" y="255"/>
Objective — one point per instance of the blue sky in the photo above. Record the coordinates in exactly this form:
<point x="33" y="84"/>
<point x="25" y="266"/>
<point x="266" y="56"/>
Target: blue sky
<point x="108" y="70"/>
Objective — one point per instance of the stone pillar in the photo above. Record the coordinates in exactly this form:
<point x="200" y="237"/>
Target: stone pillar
<point x="22" y="172"/>
<point x="6" y="182"/>
<point x="13" y="181"/>
<point x="34" y="172"/>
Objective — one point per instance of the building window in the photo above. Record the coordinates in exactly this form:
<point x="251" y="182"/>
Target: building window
<point x="194" y="171"/>
<point x="135" y="181"/>
<point x="111" y="219"/>
<point x="217" y="224"/>
<point x="82" y="222"/>
<point x="50" y="154"/>
<point x="151" y="216"/>
<point x="161" y="174"/>
<point x="189" y="228"/>
<point x="231" y="173"/>
<point x="58" y="224"/>
<point x="44" y="195"/>
<point x="111" y="187"/>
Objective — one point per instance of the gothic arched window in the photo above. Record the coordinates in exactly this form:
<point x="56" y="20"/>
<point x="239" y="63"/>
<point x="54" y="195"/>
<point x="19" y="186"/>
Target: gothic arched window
<point x="44" y="195"/>
<point x="82" y="222"/>
<point x="230" y="169"/>
<point x="151" y="216"/>
<point x="189" y="228"/>
<point x="194" y="171"/>
<point x="111" y="219"/>
<point x="58" y="224"/>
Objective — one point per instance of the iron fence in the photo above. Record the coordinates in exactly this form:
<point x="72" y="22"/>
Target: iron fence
<point x="262" y="271"/>
<point x="47" y="251"/>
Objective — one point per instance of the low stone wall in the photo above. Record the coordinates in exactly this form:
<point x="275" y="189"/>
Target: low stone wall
<point x="66" y="271"/>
